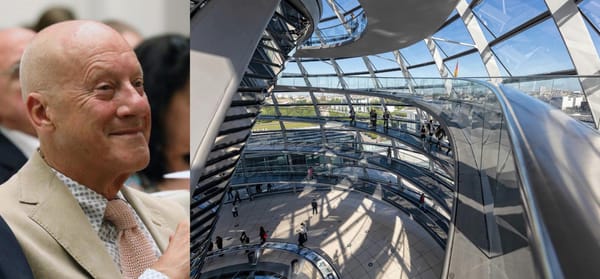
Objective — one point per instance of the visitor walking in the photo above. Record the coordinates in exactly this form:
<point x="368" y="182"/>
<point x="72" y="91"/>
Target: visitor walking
<point x="386" y="119"/>
<point x="263" y="235"/>
<point x="234" y="211"/>
<point x="219" y="242"/>
<point x="230" y="193"/>
<point x="373" y="117"/>
<point x="352" y="117"/>
<point x="237" y="197"/>
<point x="302" y="235"/>
<point x="244" y="239"/>
<point x="422" y="201"/>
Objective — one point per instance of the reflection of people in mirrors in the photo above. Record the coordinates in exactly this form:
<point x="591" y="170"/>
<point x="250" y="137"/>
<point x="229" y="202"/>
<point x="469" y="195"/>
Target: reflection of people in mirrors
<point x="353" y="23"/>
<point x="165" y="62"/>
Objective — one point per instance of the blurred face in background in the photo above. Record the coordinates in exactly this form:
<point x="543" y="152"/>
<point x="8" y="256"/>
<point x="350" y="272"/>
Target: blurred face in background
<point x="13" y="114"/>
<point x="177" y="126"/>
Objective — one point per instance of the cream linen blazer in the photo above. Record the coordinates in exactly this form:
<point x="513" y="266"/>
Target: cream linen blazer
<point x="57" y="238"/>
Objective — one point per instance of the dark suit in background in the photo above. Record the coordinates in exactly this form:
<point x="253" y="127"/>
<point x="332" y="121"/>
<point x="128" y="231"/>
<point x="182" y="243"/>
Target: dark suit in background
<point x="11" y="160"/>
<point x="13" y="263"/>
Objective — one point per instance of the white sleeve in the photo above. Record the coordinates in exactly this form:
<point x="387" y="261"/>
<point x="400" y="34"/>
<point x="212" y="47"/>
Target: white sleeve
<point x="152" y="274"/>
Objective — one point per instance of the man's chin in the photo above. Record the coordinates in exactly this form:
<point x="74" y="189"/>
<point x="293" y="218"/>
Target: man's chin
<point x="135" y="161"/>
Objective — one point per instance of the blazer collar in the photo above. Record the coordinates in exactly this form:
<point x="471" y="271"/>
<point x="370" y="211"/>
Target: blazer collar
<point x="58" y="213"/>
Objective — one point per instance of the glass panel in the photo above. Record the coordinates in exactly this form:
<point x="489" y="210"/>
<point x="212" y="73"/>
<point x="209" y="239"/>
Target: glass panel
<point x="362" y="82"/>
<point x="488" y="35"/>
<point x="267" y="111"/>
<point x="417" y="53"/>
<point x="449" y="48"/>
<point x="291" y="67"/>
<point x="591" y="9"/>
<point x="503" y="71"/>
<point x="467" y="66"/>
<point x="537" y="50"/>
<point x="268" y="101"/>
<point x="384" y="61"/>
<point x="266" y="125"/>
<point x="318" y="67"/>
<point x="454" y="12"/>
<point x="456" y="33"/>
<point x="327" y="98"/>
<point x="501" y="16"/>
<point x="351" y="65"/>
<point x="328" y="23"/>
<point x="392" y="74"/>
<point x="347" y="5"/>
<point x="327" y="11"/>
<point x="425" y="71"/>
<point x="293" y="98"/>
<point x="562" y="93"/>
<point x="296" y="81"/>
<point x="291" y="125"/>
<point x="302" y="111"/>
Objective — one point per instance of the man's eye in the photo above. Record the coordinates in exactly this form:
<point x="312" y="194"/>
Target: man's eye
<point x="138" y="83"/>
<point x="104" y="87"/>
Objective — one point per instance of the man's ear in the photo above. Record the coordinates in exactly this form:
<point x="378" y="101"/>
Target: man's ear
<point x="37" y="111"/>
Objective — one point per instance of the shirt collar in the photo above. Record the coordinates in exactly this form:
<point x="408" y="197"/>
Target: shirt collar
<point x="92" y="203"/>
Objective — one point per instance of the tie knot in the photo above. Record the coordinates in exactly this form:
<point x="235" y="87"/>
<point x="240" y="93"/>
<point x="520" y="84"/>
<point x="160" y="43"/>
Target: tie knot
<point x="118" y="212"/>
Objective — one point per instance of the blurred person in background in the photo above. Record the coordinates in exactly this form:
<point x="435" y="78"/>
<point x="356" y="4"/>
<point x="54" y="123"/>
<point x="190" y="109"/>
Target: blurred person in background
<point x="18" y="139"/>
<point x="165" y="62"/>
<point x="131" y="35"/>
<point x="53" y="15"/>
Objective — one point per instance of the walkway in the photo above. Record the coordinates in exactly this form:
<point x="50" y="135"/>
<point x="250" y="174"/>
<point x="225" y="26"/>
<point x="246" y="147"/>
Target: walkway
<point x="366" y="238"/>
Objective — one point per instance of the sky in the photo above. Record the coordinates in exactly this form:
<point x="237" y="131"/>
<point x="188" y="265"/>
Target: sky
<point x="536" y="50"/>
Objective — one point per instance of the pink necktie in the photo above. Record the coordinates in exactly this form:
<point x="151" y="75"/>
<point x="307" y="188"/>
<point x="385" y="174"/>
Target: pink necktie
<point x="134" y="248"/>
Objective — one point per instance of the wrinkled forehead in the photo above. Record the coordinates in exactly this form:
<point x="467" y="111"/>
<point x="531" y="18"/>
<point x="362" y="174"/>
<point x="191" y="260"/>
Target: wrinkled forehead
<point x="91" y="44"/>
<point x="92" y="39"/>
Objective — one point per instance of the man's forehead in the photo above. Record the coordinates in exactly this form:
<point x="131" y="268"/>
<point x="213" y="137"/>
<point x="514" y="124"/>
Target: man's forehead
<point x="81" y="37"/>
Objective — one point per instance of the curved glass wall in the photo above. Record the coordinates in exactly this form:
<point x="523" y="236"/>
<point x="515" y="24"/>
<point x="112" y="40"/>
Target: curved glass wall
<point x="520" y="38"/>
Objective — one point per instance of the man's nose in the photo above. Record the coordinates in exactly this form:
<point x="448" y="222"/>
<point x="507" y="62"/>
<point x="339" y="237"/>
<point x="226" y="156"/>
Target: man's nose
<point x="132" y="102"/>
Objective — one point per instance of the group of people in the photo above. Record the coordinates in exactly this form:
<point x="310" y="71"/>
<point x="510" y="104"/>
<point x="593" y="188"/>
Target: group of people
<point x="262" y="233"/>
<point x="372" y="118"/>
<point x="74" y="126"/>
<point x="432" y="136"/>
<point x="234" y="195"/>
<point x="244" y="239"/>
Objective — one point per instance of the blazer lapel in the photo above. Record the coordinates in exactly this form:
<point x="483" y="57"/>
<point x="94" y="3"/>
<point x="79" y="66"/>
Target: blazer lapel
<point x="152" y="218"/>
<point x="60" y="215"/>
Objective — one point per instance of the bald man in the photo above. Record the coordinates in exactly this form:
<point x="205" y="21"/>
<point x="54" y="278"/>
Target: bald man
<point x="84" y="94"/>
<point x="17" y="136"/>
